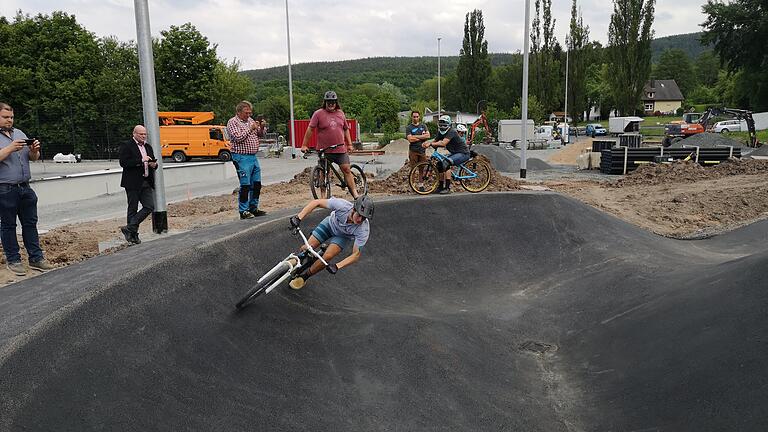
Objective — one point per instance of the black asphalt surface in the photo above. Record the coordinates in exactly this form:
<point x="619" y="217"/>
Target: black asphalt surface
<point x="492" y="312"/>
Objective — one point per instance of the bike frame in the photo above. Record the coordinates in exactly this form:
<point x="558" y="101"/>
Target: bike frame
<point x="292" y="262"/>
<point x="456" y="168"/>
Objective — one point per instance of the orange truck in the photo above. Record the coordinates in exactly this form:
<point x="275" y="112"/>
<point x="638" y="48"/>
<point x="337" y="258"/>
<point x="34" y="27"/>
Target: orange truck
<point x="183" y="135"/>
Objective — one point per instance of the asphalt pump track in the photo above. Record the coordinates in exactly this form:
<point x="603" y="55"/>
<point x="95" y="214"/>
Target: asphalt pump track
<point x="494" y="312"/>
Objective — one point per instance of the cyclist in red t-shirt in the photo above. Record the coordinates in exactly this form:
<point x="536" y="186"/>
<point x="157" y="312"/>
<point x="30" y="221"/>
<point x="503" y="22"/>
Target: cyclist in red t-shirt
<point x="332" y="129"/>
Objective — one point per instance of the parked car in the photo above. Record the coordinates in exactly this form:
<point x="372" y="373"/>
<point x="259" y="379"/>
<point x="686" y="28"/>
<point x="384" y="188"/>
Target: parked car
<point x="726" y="126"/>
<point x="595" y="129"/>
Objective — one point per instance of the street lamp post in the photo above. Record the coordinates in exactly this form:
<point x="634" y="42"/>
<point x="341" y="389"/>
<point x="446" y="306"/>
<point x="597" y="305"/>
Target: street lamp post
<point x="149" y="103"/>
<point x="524" y="103"/>
<point x="439" y="109"/>
<point x="565" y="116"/>
<point x="290" y="82"/>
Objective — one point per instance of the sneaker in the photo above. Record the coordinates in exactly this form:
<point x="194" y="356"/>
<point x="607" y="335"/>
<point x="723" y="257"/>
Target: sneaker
<point x="135" y="239"/>
<point x="43" y="265"/>
<point x="17" y="268"/>
<point x="246" y="215"/>
<point x="445" y="191"/>
<point x="297" y="283"/>
<point x="256" y="212"/>
<point x="127" y="233"/>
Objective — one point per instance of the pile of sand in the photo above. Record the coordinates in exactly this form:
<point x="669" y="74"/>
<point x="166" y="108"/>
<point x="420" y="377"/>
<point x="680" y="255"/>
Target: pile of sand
<point x="567" y="155"/>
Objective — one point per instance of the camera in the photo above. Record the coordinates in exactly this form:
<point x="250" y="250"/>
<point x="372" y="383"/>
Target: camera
<point x="30" y="141"/>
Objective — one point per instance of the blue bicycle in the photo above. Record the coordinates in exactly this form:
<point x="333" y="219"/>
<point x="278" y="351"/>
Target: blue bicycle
<point x="474" y="174"/>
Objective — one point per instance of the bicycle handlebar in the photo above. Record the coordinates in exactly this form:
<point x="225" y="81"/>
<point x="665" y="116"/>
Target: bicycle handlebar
<point x="324" y="150"/>
<point x="309" y="247"/>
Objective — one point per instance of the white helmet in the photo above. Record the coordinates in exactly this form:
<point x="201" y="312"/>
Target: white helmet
<point x="444" y="123"/>
<point x="461" y="127"/>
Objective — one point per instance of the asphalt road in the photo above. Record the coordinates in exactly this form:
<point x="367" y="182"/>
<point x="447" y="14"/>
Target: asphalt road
<point x="487" y="312"/>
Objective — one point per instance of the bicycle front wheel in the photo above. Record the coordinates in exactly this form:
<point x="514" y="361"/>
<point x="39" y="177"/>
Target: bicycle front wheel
<point x="424" y="178"/>
<point x="361" y="183"/>
<point x="475" y="184"/>
<point x="259" y="288"/>
<point x="319" y="184"/>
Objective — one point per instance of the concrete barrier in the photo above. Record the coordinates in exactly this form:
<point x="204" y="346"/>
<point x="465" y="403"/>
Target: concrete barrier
<point x="73" y="187"/>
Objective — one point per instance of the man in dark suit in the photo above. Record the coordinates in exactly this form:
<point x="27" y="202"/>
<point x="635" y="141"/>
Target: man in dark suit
<point x="139" y="164"/>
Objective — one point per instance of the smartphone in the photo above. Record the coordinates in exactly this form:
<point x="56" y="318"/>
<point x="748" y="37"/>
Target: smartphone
<point x="30" y="141"/>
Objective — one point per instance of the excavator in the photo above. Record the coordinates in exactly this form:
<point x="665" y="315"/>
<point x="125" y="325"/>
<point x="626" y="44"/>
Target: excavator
<point x="482" y="121"/>
<point x="676" y="132"/>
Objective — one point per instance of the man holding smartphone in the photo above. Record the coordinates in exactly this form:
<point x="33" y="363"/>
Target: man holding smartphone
<point x="17" y="199"/>
<point x="139" y="164"/>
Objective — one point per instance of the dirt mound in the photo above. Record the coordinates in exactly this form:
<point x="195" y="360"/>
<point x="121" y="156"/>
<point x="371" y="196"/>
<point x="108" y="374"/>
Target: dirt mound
<point x="707" y="140"/>
<point x="567" y="154"/>
<point x="397" y="182"/>
<point x="508" y="162"/>
<point x="689" y="172"/>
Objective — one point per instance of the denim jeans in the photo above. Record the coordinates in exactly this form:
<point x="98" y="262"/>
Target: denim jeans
<point x="19" y="201"/>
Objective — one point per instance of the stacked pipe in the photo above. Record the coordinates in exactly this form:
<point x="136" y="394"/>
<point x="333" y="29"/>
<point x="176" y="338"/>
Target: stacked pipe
<point x="621" y="160"/>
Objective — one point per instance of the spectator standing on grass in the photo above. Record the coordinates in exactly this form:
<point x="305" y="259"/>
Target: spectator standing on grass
<point x="139" y="164"/>
<point x="244" y="141"/>
<point x="416" y="134"/>
<point x="17" y="199"/>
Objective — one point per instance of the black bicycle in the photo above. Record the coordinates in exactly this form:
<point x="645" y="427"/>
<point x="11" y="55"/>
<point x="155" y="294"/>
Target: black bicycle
<point x="320" y="182"/>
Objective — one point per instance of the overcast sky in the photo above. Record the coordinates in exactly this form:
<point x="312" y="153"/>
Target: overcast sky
<point x="253" y="31"/>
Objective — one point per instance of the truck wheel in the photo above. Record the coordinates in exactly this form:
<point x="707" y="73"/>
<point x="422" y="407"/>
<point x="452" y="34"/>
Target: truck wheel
<point x="225" y="156"/>
<point x="179" y="156"/>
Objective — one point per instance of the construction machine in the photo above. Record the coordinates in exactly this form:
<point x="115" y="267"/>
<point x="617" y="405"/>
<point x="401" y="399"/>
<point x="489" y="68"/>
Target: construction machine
<point x="676" y="132"/>
<point x="482" y="121"/>
<point x="184" y="135"/>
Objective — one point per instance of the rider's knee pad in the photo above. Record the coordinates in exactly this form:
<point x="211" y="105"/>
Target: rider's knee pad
<point x="244" y="192"/>
<point x="256" y="189"/>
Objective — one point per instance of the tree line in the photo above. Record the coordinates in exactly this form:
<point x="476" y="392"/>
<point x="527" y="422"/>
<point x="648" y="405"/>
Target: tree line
<point x="81" y="93"/>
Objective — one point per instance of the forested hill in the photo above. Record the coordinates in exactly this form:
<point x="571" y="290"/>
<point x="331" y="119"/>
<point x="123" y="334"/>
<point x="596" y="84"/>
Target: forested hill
<point x="689" y="43"/>
<point x="404" y="72"/>
<point x="408" y="72"/>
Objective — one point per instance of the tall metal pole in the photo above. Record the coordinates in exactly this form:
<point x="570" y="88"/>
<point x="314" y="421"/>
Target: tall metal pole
<point x="524" y="104"/>
<point x="290" y="81"/>
<point x="149" y="102"/>
<point x="565" y="119"/>
<point x="439" y="109"/>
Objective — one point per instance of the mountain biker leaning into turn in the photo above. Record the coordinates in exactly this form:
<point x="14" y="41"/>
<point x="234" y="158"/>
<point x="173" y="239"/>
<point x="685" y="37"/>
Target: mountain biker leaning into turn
<point x="332" y="129"/>
<point x="459" y="152"/>
<point x="347" y="223"/>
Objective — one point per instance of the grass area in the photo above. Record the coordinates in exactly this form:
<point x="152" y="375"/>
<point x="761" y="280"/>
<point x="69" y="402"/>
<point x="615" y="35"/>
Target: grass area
<point x="762" y="136"/>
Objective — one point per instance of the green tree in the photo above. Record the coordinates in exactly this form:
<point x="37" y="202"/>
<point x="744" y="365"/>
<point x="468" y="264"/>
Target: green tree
<point x="474" y="68"/>
<point x="707" y="67"/>
<point x="738" y="31"/>
<point x="185" y="65"/>
<point x="229" y="88"/>
<point x="629" y="46"/>
<point x="674" y="64"/>
<point x="385" y="107"/>
<point x="579" y="47"/>
<point x="536" y="110"/>
<point x="505" y="86"/>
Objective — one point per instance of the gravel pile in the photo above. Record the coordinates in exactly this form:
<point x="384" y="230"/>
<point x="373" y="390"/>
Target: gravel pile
<point x="707" y="140"/>
<point x="506" y="161"/>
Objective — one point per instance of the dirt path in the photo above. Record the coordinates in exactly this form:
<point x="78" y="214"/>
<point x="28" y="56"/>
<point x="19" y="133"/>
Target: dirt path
<point x="680" y="200"/>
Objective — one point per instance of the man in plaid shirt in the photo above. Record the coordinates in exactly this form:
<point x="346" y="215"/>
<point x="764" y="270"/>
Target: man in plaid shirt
<point x="244" y="142"/>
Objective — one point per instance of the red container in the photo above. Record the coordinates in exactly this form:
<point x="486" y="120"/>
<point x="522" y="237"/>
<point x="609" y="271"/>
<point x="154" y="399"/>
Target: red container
<point x="301" y="127"/>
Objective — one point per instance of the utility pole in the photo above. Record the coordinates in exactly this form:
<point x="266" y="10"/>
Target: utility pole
<point x="290" y="82"/>
<point x="149" y="102"/>
<point x="439" y="109"/>
<point x="524" y="103"/>
<point x="565" y="117"/>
